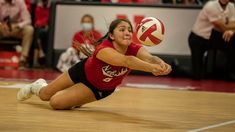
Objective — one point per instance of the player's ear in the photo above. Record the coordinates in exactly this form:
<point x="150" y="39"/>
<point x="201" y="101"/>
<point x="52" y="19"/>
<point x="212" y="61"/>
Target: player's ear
<point x="111" y="36"/>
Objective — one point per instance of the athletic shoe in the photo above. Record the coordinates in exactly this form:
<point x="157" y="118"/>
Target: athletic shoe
<point x="30" y="89"/>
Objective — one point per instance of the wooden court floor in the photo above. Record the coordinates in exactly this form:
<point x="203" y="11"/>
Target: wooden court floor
<point x="127" y="110"/>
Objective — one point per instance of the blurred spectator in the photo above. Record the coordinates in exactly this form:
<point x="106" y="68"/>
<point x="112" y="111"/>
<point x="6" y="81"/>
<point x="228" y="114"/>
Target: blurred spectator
<point x="86" y="38"/>
<point x="15" y="23"/>
<point x="41" y="31"/>
<point x="218" y="15"/>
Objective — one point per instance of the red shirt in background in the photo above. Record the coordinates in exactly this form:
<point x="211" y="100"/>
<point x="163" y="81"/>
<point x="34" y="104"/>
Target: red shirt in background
<point x="41" y="15"/>
<point x="28" y="4"/>
<point x="104" y="76"/>
<point x="90" y="39"/>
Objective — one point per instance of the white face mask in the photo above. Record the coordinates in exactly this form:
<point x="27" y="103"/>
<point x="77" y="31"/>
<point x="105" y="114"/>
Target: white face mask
<point x="87" y="26"/>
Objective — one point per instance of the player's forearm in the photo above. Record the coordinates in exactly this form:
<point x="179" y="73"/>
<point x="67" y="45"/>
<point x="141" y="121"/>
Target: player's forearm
<point x="135" y="63"/>
<point x="155" y="60"/>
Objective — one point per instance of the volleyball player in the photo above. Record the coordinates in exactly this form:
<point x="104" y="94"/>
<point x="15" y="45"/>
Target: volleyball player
<point x="97" y="77"/>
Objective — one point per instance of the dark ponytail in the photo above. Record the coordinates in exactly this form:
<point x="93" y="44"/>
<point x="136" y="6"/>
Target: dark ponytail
<point x="112" y="26"/>
<point x="106" y="36"/>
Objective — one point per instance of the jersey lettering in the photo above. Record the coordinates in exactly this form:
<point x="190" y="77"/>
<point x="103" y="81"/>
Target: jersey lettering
<point x="106" y="70"/>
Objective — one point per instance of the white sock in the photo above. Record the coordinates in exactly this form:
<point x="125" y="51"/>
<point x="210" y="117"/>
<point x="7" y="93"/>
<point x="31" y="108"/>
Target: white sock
<point x="37" y="87"/>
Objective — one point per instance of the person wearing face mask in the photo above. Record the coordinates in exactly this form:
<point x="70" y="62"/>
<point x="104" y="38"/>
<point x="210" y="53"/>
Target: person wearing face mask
<point x="98" y="76"/>
<point x="216" y="17"/>
<point x="86" y="37"/>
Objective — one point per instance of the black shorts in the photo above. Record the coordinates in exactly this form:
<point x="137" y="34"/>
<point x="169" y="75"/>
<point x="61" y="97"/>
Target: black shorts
<point x="77" y="75"/>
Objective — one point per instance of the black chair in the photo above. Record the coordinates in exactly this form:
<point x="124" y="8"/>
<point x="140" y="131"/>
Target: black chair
<point x="9" y="43"/>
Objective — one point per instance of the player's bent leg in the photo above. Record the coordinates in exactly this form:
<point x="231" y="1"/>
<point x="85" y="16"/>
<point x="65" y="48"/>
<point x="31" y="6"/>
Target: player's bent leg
<point x="60" y="83"/>
<point x="76" y="95"/>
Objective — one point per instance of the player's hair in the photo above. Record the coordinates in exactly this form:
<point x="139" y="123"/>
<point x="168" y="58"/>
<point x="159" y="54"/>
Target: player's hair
<point x="112" y="26"/>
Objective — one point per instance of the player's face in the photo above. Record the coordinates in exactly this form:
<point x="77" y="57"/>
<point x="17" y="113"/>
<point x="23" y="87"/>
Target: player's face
<point x="122" y="34"/>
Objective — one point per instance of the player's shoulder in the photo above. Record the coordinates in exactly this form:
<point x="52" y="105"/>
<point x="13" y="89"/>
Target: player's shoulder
<point x="105" y="44"/>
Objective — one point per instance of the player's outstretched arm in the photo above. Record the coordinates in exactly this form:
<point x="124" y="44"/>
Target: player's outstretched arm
<point x="144" y="55"/>
<point x="114" y="58"/>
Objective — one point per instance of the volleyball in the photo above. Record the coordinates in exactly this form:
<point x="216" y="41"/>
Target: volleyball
<point x="150" y="31"/>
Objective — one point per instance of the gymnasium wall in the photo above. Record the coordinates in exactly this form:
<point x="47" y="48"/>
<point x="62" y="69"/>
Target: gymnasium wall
<point x="178" y="22"/>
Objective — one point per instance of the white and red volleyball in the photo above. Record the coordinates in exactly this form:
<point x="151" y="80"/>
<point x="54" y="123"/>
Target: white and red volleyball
<point x="150" y="31"/>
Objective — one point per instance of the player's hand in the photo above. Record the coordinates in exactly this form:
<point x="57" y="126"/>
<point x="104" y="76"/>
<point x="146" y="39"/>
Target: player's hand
<point x="84" y="48"/>
<point x="227" y="35"/>
<point x="157" y="69"/>
<point x="161" y="69"/>
<point x="166" y="69"/>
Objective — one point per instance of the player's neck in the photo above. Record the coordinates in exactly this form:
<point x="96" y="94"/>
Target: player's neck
<point x="120" y="48"/>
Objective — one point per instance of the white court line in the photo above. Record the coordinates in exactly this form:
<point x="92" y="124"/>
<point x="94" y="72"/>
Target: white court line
<point x="18" y="85"/>
<point x="212" y="126"/>
<point x="158" y="86"/>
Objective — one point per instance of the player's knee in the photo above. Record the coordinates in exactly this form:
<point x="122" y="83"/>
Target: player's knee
<point x="57" y="104"/>
<point x="43" y="96"/>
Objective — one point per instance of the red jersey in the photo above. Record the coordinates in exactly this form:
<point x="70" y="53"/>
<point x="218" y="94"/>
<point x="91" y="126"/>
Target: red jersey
<point x="91" y="39"/>
<point x="105" y="76"/>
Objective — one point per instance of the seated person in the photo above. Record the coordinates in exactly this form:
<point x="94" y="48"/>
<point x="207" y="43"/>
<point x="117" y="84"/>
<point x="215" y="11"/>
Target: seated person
<point x="15" y="22"/>
<point x="87" y="37"/>
<point x="82" y="46"/>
